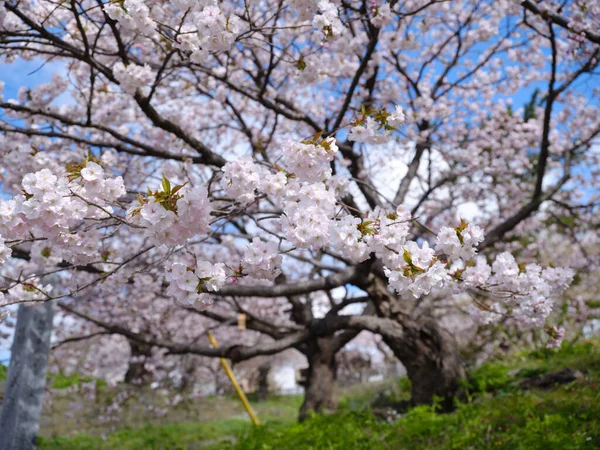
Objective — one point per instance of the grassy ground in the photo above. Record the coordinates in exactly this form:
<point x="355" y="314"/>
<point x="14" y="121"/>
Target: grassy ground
<point x="496" y="414"/>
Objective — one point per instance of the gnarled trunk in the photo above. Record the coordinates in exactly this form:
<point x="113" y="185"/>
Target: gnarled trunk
<point x="429" y="352"/>
<point x="320" y="386"/>
<point x="433" y="362"/>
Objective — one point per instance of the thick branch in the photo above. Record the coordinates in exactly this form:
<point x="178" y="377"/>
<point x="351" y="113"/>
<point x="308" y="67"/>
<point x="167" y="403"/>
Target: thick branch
<point x="284" y="290"/>
<point x="560" y="21"/>
<point x="234" y="352"/>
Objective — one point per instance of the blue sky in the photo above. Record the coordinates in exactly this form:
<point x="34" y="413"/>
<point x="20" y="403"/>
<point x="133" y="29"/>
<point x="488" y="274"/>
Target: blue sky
<point x="26" y="73"/>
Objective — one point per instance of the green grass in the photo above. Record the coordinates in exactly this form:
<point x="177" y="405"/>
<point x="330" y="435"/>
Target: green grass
<point x="60" y="381"/>
<point x="496" y="415"/>
<point x="3" y="372"/>
<point x="171" y="436"/>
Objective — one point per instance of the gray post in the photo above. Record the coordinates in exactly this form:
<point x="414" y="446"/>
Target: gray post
<point x="22" y="405"/>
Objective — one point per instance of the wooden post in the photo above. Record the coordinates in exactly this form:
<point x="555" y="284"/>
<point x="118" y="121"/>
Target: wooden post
<point x="235" y="384"/>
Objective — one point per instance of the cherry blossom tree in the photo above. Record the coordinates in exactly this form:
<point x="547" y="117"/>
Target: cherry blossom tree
<point x="218" y="158"/>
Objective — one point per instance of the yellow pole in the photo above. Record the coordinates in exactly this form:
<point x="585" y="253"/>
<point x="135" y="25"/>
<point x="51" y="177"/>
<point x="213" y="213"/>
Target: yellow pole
<point x="235" y="384"/>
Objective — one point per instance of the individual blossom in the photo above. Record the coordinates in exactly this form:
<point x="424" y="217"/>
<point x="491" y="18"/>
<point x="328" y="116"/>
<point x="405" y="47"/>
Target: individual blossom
<point x="96" y="185"/>
<point x="338" y="184"/>
<point x="39" y="183"/>
<point x="478" y="274"/>
<point x="92" y="171"/>
<point x="274" y="184"/>
<point x="153" y="212"/>
<point x="397" y="118"/>
<point x="506" y="271"/>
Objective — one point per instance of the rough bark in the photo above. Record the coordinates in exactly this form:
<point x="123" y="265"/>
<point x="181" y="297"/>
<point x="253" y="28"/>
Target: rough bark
<point x="433" y="362"/>
<point x="430" y="353"/>
<point x="320" y="393"/>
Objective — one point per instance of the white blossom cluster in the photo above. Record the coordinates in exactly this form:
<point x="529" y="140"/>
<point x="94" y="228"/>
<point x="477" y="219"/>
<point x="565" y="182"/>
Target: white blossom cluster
<point x="309" y="162"/>
<point x="171" y="220"/>
<point x="132" y="76"/>
<point x="459" y="243"/>
<point x="308" y="209"/>
<point x="217" y="31"/>
<point x="241" y="178"/>
<point x="381" y="15"/>
<point x="52" y="205"/>
<point x="524" y="292"/>
<point x="134" y="15"/>
<point x="206" y="28"/>
<point x="2" y="17"/>
<point x="374" y="130"/>
<point x="29" y="292"/>
<point x="192" y="285"/>
<point x="327" y="22"/>
<point x="262" y="259"/>
<point x="347" y="239"/>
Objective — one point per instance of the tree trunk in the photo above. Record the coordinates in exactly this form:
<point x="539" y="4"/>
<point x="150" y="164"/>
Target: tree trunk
<point x="263" y="381"/>
<point x="136" y="371"/>
<point x="25" y="385"/>
<point x="320" y="387"/>
<point x="188" y="364"/>
<point x="430" y="353"/>
<point x="433" y="362"/>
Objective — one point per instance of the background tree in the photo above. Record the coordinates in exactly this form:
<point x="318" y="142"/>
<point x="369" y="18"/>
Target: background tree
<point x="265" y="154"/>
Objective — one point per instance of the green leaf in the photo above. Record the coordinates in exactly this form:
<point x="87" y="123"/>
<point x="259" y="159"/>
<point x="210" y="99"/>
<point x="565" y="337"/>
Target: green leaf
<point x="301" y="65"/>
<point x="177" y="188"/>
<point x="407" y="257"/>
<point x="166" y="185"/>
